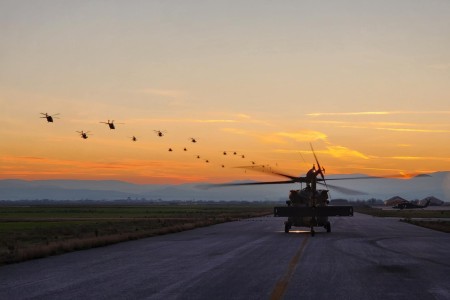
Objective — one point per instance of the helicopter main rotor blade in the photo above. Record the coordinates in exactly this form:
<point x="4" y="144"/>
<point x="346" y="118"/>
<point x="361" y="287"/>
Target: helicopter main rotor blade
<point x="343" y="190"/>
<point x="207" y="186"/>
<point x="264" y="170"/>
<point x="400" y="176"/>
<point x="317" y="162"/>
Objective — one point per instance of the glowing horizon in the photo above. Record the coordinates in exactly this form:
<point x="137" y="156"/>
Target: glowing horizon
<point x="361" y="82"/>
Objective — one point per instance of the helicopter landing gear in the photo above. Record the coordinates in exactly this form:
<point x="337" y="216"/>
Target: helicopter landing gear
<point x="287" y="226"/>
<point x="328" y="226"/>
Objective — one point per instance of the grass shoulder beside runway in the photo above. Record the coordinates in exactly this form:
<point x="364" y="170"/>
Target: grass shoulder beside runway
<point x="419" y="217"/>
<point x="28" y="232"/>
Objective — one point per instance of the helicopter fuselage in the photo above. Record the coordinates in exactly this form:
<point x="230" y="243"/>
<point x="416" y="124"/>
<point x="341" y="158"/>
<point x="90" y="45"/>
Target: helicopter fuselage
<point x="308" y="198"/>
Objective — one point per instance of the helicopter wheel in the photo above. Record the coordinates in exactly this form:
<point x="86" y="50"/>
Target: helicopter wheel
<point x="287" y="226"/>
<point x="328" y="226"/>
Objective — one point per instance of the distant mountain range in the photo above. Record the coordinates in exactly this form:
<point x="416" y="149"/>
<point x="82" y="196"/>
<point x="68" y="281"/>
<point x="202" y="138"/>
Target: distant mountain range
<point x="437" y="185"/>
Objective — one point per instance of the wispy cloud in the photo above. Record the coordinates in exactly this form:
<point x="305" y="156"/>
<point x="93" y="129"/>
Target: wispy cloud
<point x="240" y="118"/>
<point x="304" y="135"/>
<point x="362" y="113"/>
<point x="377" y="113"/>
<point x="344" y="152"/>
<point x="417" y="130"/>
<point x="419" y="158"/>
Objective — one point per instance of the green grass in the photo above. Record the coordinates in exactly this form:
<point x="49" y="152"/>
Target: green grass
<point x="37" y="231"/>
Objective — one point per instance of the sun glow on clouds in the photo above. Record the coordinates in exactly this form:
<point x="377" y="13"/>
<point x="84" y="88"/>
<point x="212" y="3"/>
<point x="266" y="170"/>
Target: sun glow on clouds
<point x="378" y="113"/>
<point x="344" y="152"/>
<point x="363" y="113"/>
<point x="304" y="135"/>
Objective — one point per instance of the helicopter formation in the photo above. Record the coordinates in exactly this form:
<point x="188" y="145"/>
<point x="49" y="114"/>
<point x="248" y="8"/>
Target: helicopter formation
<point x="159" y="133"/>
<point x="306" y="207"/>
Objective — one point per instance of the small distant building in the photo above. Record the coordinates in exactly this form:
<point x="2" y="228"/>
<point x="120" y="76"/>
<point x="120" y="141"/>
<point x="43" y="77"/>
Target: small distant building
<point x="433" y="201"/>
<point x="394" y="201"/>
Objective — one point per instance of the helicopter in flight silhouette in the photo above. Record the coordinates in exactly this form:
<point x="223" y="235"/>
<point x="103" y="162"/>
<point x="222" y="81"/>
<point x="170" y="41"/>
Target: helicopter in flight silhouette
<point x="111" y="124"/>
<point x="160" y="133"/>
<point x="49" y="117"/>
<point x="83" y="134"/>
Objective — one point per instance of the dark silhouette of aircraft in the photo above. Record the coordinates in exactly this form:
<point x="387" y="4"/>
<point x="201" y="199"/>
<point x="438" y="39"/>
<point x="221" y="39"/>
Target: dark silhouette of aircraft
<point x="49" y="117"/>
<point x="409" y="205"/>
<point x="133" y="138"/>
<point x="83" y="134"/>
<point x="193" y="140"/>
<point x="111" y="124"/>
<point x="159" y="133"/>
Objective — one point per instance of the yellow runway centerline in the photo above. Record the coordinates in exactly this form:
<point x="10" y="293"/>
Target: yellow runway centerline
<point x="280" y="287"/>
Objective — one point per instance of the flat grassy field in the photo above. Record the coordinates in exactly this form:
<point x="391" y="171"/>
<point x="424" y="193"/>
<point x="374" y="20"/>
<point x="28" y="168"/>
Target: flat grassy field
<point x="419" y="217"/>
<point x="28" y="232"/>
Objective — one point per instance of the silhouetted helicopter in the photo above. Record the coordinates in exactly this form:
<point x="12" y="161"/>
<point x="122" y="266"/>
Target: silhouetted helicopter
<point x="193" y="140"/>
<point x="409" y="205"/>
<point x="133" y="138"/>
<point x="111" y="124"/>
<point x="226" y="152"/>
<point x="159" y="132"/>
<point x="307" y="207"/>
<point x="83" y="134"/>
<point x="49" y="117"/>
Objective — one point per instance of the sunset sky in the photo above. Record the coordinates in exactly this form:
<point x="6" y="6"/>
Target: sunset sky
<point x="367" y="83"/>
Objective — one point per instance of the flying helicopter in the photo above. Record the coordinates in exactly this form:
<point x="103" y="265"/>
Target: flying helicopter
<point x="49" y="117"/>
<point x="111" y="124"/>
<point x="83" y="134"/>
<point x="193" y="140"/>
<point x="160" y="133"/>
<point x="133" y="138"/>
<point x="226" y="152"/>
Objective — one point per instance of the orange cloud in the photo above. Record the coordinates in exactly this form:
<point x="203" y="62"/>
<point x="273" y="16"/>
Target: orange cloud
<point x="304" y="135"/>
<point x="417" y="130"/>
<point x="375" y="113"/>
<point x="344" y="152"/>
<point x="362" y="113"/>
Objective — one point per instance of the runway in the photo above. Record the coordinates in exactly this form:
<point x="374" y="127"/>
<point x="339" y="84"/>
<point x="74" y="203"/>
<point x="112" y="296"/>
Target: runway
<point x="363" y="257"/>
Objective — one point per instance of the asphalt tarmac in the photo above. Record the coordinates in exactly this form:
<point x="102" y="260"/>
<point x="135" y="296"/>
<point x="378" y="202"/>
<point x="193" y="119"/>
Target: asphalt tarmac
<point x="363" y="257"/>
